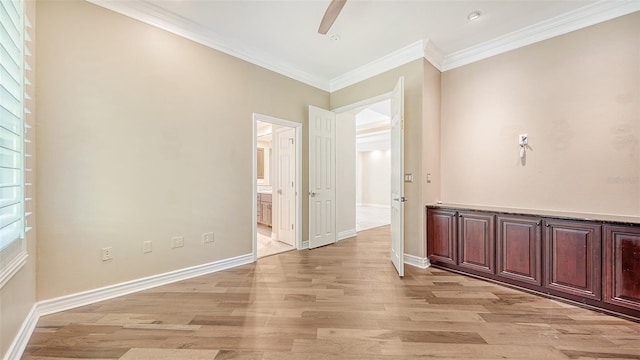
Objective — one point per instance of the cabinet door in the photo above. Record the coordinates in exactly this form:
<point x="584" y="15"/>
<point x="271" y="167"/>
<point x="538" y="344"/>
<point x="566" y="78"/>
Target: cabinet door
<point x="476" y="236"/>
<point x="622" y="266"/>
<point x="519" y="248"/>
<point x="441" y="236"/>
<point x="573" y="258"/>
<point x="267" y="214"/>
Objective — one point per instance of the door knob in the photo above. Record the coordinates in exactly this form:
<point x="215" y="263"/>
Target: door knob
<point x="312" y="194"/>
<point x="401" y="199"/>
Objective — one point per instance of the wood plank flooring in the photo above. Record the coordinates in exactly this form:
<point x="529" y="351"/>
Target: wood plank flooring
<point x="342" y="301"/>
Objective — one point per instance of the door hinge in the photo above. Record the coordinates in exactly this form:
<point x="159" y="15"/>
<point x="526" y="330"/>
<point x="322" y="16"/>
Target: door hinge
<point x="291" y="140"/>
<point x="291" y="226"/>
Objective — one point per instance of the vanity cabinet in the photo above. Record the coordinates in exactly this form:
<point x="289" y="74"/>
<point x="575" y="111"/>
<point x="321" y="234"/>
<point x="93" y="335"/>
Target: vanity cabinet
<point x="573" y="258"/>
<point x="519" y="248"/>
<point x="264" y="209"/>
<point x="621" y="264"/>
<point x="588" y="262"/>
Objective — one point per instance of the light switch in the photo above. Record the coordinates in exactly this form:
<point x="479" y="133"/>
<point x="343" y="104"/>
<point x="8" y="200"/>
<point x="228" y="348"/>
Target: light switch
<point x="408" y="177"/>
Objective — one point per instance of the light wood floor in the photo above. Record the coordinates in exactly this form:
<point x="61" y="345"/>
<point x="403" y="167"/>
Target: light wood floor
<point x="338" y="302"/>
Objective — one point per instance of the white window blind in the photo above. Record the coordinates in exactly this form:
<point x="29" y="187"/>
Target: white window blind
<point x="12" y="139"/>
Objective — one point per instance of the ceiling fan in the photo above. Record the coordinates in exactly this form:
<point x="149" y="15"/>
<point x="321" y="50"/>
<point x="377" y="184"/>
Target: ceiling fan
<point x="330" y="15"/>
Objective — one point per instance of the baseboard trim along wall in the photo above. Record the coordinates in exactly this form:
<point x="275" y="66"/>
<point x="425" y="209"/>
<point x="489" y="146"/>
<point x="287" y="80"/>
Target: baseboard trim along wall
<point x="422" y="263"/>
<point x="71" y="301"/>
<point x="346" y="234"/>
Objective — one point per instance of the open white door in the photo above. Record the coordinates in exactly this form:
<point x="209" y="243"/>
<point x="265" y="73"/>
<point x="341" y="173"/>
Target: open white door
<point x="322" y="175"/>
<point x="397" y="177"/>
<point x="284" y="190"/>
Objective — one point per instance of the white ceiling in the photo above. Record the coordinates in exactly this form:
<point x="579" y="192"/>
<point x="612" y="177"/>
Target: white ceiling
<point x="375" y="36"/>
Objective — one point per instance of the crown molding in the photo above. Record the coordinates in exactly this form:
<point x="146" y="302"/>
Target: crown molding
<point x="592" y="14"/>
<point x="151" y="14"/>
<point x="388" y="62"/>
<point x="580" y="18"/>
<point x="433" y="55"/>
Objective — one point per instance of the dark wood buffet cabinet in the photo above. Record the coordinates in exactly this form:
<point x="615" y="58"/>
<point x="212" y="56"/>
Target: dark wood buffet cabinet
<point x="593" y="263"/>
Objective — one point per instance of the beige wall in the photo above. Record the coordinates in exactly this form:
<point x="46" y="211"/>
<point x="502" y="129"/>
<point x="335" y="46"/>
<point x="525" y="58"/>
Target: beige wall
<point x="345" y="172"/>
<point x="384" y="83"/>
<point x="18" y="295"/>
<point x="577" y="96"/>
<point x="144" y="135"/>
<point x="375" y="186"/>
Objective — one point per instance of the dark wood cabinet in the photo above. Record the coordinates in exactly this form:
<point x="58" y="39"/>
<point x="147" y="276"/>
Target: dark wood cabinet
<point x="621" y="264"/>
<point x="518" y="248"/>
<point x="573" y="258"/>
<point x="441" y="237"/>
<point x="476" y="246"/>
<point x="593" y="263"/>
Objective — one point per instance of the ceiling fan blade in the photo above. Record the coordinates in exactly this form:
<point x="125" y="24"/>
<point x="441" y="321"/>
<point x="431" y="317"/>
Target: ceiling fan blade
<point x="330" y="15"/>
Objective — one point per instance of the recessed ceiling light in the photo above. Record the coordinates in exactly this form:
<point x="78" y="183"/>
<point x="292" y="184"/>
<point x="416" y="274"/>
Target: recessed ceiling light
<point x="334" y="37"/>
<point x="474" y="16"/>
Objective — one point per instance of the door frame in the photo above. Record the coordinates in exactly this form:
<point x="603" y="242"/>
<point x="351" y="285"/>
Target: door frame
<point x="298" y="177"/>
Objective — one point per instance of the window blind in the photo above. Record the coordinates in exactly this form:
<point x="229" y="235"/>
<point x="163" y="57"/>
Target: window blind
<point x="12" y="130"/>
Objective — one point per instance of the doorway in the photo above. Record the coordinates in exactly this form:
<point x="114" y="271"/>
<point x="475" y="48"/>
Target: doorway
<point x="364" y="177"/>
<point x="277" y="174"/>
<point x="373" y="165"/>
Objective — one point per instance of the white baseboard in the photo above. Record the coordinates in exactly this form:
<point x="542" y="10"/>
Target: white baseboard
<point x="305" y="245"/>
<point x="24" y="334"/>
<point x="422" y="263"/>
<point x="346" y="234"/>
<point x="71" y="301"/>
<point x="376" y="205"/>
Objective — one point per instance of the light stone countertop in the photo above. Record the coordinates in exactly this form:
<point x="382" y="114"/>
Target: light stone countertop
<point x="625" y="219"/>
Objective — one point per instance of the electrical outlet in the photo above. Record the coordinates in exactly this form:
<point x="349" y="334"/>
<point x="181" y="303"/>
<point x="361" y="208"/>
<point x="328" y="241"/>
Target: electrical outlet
<point x="107" y="253"/>
<point x="207" y="237"/>
<point x="147" y="247"/>
<point x="177" y="242"/>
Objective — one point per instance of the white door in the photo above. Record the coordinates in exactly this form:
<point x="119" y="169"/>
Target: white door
<point x="322" y="166"/>
<point x="285" y="190"/>
<point x="397" y="177"/>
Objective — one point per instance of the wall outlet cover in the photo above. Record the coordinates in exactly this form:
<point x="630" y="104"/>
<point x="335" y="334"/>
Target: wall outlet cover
<point x="177" y="242"/>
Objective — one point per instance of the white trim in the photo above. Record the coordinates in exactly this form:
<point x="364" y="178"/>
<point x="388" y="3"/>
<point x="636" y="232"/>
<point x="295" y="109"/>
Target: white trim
<point x="88" y="297"/>
<point x="416" y="261"/>
<point x="67" y="302"/>
<point x="433" y="55"/>
<point x="592" y="14"/>
<point x="298" y="129"/>
<point x="361" y="103"/>
<point x="388" y="62"/>
<point x="346" y="234"/>
<point x="147" y="12"/>
<point x="24" y="334"/>
<point x="12" y="268"/>
<point x="580" y="18"/>
<point x="304" y="245"/>
<point x="375" y="205"/>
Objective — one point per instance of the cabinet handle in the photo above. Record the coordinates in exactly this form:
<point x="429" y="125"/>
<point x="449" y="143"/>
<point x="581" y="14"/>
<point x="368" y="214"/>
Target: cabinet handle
<point x="538" y="223"/>
<point x="548" y="225"/>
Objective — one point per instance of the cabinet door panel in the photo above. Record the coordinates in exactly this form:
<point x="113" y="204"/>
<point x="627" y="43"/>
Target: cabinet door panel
<point x="477" y="241"/>
<point x="441" y="236"/>
<point x="573" y="258"/>
<point x="622" y="266"/>
<point x="519" y="248"/>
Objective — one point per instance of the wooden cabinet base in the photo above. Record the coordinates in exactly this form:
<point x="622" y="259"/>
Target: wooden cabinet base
<point x="594" y="264"/>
